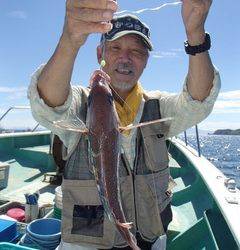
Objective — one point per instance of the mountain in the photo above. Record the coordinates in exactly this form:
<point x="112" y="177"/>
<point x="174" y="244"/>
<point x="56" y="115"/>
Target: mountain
<point x="227" y="132"/>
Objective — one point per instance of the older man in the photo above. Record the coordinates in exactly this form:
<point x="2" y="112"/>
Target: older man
<point x="125" y="47"/>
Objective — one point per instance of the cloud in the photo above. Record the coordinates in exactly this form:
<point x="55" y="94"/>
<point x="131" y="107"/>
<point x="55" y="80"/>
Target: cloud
<point x="226" y="111"/>
<point x="227" y="102"/>
<point x="164" y="54"/>
<point x="13" y="90"/>
<point x="18" y="95"/>
<point x="172" y="53"/>
<point x="177" y="50"/>
<point x="14" y="93"/>
<point x="18" y="14"/>
<point x="235" y="94"/>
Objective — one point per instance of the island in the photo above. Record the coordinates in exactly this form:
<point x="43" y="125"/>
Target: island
<point x="227" y="132"/>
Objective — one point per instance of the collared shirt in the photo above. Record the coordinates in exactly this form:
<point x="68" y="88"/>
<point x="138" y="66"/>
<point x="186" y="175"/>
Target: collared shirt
<point x="182" y="107"/>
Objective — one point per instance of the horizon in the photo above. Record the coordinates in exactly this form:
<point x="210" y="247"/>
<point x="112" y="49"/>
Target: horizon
<point x="37" y="27"/>
<point x="189" y="130"/>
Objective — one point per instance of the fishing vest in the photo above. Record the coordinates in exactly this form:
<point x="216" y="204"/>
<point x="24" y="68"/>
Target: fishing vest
<point x="143" y="189"/>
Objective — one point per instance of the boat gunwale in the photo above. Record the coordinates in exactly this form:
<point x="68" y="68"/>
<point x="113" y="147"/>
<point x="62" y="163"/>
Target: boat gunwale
<point x="20" y="134"/>
<point x="216" y="188"/>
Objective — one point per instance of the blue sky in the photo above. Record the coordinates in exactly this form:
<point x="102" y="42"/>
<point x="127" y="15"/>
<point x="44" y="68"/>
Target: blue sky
<point x="30" y="31"/>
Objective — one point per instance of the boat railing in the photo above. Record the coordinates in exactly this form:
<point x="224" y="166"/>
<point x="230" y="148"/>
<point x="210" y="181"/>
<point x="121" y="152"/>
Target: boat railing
<point x="28" y="107"/>
<point x="18" y="108"/>
<point x="197" y="138"/>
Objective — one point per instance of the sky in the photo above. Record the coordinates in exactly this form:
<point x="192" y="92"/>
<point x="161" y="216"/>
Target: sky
<point x="30" y="31"/>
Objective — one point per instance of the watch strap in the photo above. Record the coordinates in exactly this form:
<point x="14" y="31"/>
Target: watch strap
<point x="193" y="50"/>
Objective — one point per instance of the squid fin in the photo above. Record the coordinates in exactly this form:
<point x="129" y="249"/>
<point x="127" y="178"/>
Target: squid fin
<point x="72" y="124"/>
<point x="127" y="225"/>
<point x="131" y="126"/>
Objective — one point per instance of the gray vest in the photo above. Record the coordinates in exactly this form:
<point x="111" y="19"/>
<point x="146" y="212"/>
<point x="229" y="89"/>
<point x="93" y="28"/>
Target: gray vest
<point x="143" y="189"/>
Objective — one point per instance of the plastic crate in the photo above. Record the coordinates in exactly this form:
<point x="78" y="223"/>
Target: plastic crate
<point x="10" y="246"/>
<point x="4" y="173"/>
<point x="8" y="230"/>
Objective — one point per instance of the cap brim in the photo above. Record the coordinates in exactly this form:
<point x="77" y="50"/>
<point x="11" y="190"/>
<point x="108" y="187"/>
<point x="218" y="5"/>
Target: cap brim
<point x="126" y="32"/>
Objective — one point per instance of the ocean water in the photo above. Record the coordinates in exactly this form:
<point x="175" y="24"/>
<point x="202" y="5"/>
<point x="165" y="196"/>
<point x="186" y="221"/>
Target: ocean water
<point x="222" y="150"/>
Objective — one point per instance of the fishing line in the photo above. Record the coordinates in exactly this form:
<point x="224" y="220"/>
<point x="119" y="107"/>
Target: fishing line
<point x="140" y="11"/>
<point x="149" y="9"/>
<point x="170" y="140"/>
<point x="103" y="64"/>
<point x="154" y="174"/>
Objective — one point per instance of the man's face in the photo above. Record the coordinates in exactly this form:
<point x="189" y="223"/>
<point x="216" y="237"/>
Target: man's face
<point x="126" y="58"/>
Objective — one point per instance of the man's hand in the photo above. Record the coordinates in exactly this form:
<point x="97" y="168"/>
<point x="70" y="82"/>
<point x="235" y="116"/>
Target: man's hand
<point x="87" y="16"/>
<point x="82" y="18"/>
<point x="194" y="14"/>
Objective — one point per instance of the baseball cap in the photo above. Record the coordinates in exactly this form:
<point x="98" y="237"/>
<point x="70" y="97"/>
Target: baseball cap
<point x="128" y="24"/>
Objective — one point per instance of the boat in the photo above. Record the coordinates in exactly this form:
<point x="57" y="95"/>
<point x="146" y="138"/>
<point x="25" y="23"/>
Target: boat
<point x="205" y="204"/>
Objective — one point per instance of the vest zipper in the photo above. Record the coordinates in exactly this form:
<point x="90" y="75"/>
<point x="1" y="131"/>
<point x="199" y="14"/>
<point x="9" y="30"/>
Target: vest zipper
<point x="131" y="172"/>
<point x="133" y="180"/>
<point x="134" y="200"/>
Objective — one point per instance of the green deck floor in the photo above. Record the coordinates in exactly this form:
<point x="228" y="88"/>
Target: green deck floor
<point x="26" y="174"/>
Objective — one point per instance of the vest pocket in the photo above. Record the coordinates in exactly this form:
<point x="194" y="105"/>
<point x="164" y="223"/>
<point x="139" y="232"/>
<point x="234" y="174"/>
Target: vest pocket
<point x="155" y="149"/>
<point x="126" y="191"/>
<point x="83" y="219"/>
<point x="150" y="200"/>
<point x="88" y="220"/>
<point x="158" y="184"/>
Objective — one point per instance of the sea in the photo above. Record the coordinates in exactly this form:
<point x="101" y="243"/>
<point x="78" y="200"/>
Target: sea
<point x="221" y="150"/>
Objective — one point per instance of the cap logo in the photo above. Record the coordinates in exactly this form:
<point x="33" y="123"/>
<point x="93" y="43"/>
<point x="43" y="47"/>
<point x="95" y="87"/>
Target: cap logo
<point x="137" y="27"/>
<point x="145" y="32"/>
<point x="118" y="25"/>
<point x="128" y="23"/>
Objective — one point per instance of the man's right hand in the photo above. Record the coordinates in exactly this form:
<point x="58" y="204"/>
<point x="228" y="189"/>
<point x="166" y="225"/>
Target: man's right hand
<point x="84" y="17"/>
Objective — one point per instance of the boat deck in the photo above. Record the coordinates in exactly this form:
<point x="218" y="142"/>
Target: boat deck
<point x="27" y="166"/>
<point x="26" y="176"/>
<point x="197" y="221"/>
<point x="196" y="217"/>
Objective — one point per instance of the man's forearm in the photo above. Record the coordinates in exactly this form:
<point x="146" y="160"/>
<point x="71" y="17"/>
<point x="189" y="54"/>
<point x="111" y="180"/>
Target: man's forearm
<point x="54" y="81"/>
<point x="82" y="18"/>
<point x="200" y="72"/>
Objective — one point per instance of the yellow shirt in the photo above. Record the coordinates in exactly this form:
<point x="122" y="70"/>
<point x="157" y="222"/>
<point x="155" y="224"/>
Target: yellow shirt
<point x="128" y="111"/>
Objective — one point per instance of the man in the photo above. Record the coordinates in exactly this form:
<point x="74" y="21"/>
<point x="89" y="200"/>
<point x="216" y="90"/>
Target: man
<point x="144" y="160"/>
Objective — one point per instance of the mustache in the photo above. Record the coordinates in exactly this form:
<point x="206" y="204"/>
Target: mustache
<point x="124" y="66"/>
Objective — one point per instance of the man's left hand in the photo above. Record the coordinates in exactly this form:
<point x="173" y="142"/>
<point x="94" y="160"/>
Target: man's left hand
<point x="194" y="14"/>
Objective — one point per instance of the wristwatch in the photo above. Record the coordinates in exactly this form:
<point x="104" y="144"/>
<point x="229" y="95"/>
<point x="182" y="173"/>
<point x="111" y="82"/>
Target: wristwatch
<point x="193" y="50"/>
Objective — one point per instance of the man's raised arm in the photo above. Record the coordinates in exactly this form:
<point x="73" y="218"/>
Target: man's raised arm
<point x="201" y="71"/>
<point x="82" y="18"/>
